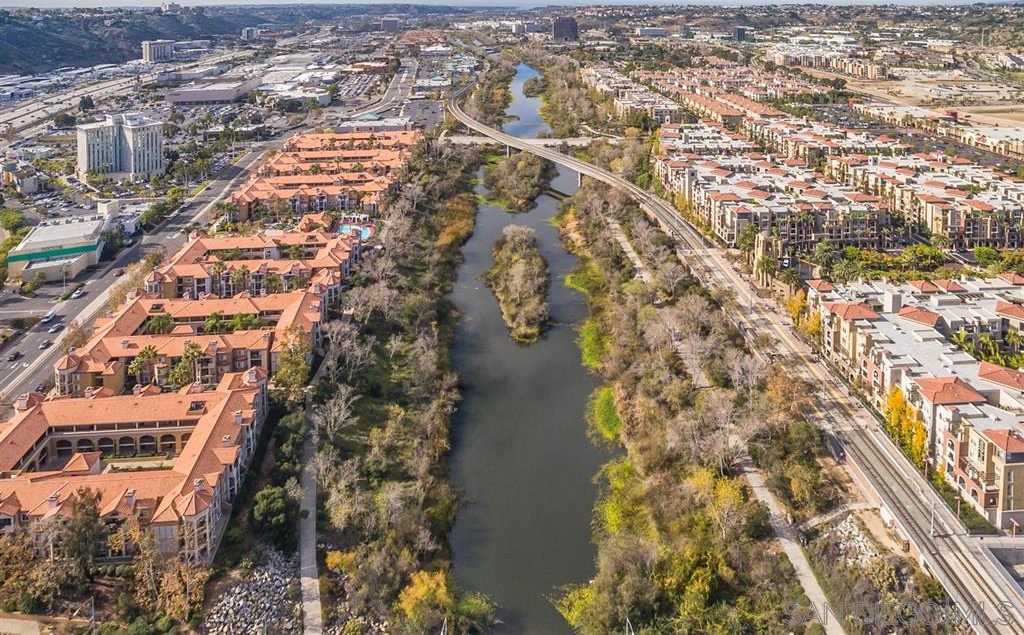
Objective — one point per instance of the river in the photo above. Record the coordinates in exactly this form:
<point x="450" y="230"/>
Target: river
<point x="521" y="458"/>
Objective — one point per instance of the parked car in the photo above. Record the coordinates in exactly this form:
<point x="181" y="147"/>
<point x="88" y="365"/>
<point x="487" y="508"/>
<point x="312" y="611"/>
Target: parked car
<point x="14" y="356"/>
<point x="45" y="344"/>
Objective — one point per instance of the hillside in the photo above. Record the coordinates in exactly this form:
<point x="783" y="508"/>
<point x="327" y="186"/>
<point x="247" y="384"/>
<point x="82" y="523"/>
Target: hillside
<point x="33" y="41"/>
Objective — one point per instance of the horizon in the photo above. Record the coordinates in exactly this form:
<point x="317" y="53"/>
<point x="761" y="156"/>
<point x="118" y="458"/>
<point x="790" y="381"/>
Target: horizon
<point x="476" y="4"/>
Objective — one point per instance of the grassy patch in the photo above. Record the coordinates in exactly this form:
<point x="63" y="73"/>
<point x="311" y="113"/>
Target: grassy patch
<point x="593" y="343"/>
<point x="603" y="415"/>
<point x="587" y="279"/>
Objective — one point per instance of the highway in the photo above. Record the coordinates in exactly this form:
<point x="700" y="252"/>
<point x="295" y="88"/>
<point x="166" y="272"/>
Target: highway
<point x="40" y="110"/>
<point x="35" y="366"/>
<point x="971" y="579"/>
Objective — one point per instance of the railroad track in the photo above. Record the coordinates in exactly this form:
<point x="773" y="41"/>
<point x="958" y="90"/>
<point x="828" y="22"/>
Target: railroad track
<point x="986" y="607"/>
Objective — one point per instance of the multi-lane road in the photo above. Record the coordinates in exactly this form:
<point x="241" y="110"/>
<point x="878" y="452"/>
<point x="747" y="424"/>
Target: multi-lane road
<point x="35" y="365"/>
<point x="40" y="110"/>
<point x="971" y="577"/>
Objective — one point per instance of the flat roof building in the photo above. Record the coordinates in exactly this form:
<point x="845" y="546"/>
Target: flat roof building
<point x="157" y="50"/>
<point x="130" y="144"/>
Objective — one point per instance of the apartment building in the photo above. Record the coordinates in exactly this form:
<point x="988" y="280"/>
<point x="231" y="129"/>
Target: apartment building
<point x="157" y="51"/>
<point x="130" y="145"/>
<point x="795" y="206"/>
<point x="715" y="79"/>
<point x="318" y="172"/>
<point x="231" y="334"/>
<point x="968" y="205"/>
<point x="1007" y="141"/>
<point x="54" y="448"/>
<point x="630" y="98"/>
<point x="813" y="142"/>
<point x="701" y="138"/>
<point x="271" y="261"/>
<point x="883" y="336"/>
<point x="843" y="61"/>
<point x="710" y="108"/>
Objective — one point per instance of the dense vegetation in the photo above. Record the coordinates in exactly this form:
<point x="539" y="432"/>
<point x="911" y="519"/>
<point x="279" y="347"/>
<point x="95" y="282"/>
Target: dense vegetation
<point x="491" y="96"/>
<point x="384" y="405"/>
<point x="911" y="263"/>
<point x="568" y="105"/>
<point x="519" y="280"/>
<point x="681" y="544"/>
<point x="517" y="180"/>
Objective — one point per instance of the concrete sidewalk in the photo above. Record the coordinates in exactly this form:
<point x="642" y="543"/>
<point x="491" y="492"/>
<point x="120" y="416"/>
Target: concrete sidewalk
<point x="785" y="535"/>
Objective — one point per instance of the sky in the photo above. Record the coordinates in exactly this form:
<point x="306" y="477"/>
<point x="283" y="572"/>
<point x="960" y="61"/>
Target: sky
<point x="467" y="3"/>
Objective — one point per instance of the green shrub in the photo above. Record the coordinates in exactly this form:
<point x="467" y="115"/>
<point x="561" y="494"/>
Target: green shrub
<point x="603" y="415"/>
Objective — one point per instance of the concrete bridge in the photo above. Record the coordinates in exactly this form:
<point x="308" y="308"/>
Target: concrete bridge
<point x="572" y="142"/>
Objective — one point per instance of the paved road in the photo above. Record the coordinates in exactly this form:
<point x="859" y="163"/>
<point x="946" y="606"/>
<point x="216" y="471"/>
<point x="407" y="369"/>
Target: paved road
<point x="17" y="378"/>
<point x="958" y="562"/>
<point x="39" y="110"/>
<point x="35" y="366"/>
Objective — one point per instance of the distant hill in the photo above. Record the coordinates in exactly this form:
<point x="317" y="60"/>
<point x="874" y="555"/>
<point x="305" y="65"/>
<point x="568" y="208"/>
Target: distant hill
<point x="33" y="41"/>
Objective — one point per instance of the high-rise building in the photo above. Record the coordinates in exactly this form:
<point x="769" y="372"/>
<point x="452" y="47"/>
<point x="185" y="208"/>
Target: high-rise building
<point x="518" y="28"/>
<point x="563" y="29"/>
<point x="130" y="144"/>
<point x="390" y="25"/>
<point x="250" y="33"/>
<point x="740" y="33"/>
<point x="157" y="50"/>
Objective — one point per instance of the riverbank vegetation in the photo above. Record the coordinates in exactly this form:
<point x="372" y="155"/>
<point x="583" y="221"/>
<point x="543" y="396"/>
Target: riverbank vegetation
<point x="384" y="402"/>
<point x="681" y="542"/>
<point x="568" y="106"/>
<point x="519" y="280"/>
<point x="516" y="181"/>
<point x="491" y="96"/>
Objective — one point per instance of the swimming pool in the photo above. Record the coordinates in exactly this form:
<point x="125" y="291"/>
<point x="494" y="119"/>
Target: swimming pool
<point x="365" y="232"/>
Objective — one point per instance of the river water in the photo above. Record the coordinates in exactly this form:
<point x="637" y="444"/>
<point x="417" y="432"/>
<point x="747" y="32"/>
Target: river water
<point x="521" y="457"/>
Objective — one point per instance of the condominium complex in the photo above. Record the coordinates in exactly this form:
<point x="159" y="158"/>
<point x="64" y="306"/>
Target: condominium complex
<point x="631" y="98"/>
<point x="965" y="204"/>
<point x="839" y="61"/>
<point x="176" y="380"/>
<point x="249" y="333"/>
<point x="725" y="193"/>
<point x="1006" y="140"/>
<point x="54" y="448"/>
<point x="885" y="337"/>
<point x="319" y="171"/>
<point x="157" y="50"/>
<point x="130" y="145"/>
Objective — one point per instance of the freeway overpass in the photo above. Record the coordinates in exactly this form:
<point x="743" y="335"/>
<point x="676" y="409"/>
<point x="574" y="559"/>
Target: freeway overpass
<point x="989" y="599"/>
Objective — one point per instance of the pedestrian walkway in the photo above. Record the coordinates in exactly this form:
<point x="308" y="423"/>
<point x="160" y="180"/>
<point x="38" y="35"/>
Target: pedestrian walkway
<point x="312" y="611"/>
<point x="785" y="535"/>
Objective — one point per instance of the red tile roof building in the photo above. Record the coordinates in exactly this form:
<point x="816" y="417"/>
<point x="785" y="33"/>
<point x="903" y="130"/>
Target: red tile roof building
<point x="323" y="171"/>
<point x="51" y="449"/>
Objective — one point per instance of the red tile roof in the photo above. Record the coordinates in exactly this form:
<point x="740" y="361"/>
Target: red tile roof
<point x="919" y="315"/>
<point x="850" y="311"/>
<point x="1001" y="375"/>
<point x="948" y="390"/>
<point x="1008" y="440"/>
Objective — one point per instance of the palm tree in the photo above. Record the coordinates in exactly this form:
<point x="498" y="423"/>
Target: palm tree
<point x="159" y="324"/>
<point x="1013" y="340"/>
<point x="142" y="362"/>
<point x="214" y="323"/>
